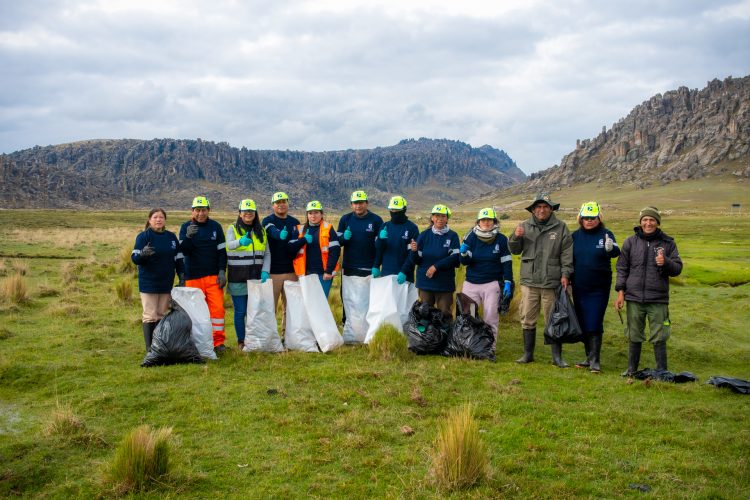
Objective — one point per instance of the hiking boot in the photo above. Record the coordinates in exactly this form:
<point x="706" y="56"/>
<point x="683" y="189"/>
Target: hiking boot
<point x="660" y="354"/>
<point x="220" y="349"/>
<point x="557" y="360"/>
<point x="529" y="339"/>
<point x="634" y="357"/>
<point x="587" y="347"/>
<point x="596" y="349"/>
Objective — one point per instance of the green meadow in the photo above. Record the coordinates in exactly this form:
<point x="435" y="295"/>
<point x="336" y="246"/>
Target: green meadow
<point x="333" y="425"/>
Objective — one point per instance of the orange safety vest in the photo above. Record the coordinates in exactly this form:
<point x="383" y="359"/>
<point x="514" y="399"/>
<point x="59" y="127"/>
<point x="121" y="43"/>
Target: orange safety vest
<point x="324" y="236"/>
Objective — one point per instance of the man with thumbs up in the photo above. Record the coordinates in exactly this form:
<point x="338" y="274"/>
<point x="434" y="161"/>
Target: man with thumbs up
<point x="647" y="260"/>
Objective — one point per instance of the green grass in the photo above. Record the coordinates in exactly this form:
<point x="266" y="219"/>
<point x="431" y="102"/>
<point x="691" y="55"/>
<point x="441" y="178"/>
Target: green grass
<point x="301" y="424"/>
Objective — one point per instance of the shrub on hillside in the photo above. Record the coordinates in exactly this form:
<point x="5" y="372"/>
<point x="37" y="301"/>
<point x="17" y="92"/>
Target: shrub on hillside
<point x="141" y="459"/>
<point x="459" y="459"/>
<point x="389" y="344"/>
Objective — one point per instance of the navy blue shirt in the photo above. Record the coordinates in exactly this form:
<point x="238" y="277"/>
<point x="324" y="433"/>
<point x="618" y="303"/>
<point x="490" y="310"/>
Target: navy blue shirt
<point x="156" y="273"/>
<point x="591" y="263"/>
<point x="392" y="253"/>
<point x="440" y="251"/>
<point x="281" y="259"/>
<point x="359" y="251"/>
<point x="487" y="262"/>
<point x="205" y="253"/>
<point x="313" y="256"/>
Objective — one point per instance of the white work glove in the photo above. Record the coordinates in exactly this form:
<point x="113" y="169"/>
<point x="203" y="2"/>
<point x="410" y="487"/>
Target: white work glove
<point x="609" y="244"/>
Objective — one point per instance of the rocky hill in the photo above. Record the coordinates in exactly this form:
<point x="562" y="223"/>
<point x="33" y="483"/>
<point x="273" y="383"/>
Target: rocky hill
<point x="167" y="172"/>
<point x="679" y="135"/>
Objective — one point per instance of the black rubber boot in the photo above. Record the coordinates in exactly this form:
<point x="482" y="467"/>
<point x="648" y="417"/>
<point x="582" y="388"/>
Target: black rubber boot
<point x="634" y="357"/>
<point x="587" y="347"/>
<point x="660" y="354"/>
<point x="557" y="355"/>
<point x="529" y="340"/>
<point x="148" y="334"/>
<point x="596" y="349"/>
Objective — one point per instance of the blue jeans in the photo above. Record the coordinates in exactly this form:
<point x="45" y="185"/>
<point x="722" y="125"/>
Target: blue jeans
<point x="240" y="311"/>
<point x="326" y="284"/>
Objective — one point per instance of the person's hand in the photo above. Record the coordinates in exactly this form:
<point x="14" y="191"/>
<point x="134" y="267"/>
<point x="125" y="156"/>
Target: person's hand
<point x="464" y="248"/>
<point x="283" y="234"/>
<point x="383" y="234"/>
<point x="348" y="234"/>
<point x="308" y="238"/>
<point x="564" y="282"/>
<point x="147" y="251"/>
<point x="659" y="256"/>
<point x="506" y="289"/>
<point x="431" y="271"/>
<point x="191" y="230"/>
<point x="375" y="272"/>
<point x="520" y="231"/>
<point x="264" y="276"/>
<point x="609" y="244"/>
<point x="401" y="278"/>
<point x="620" y="300"/>
<point x="327" y="277"/>
<point x="221" y="279"/>
<point x="245" y="240"/>
<point x="413" y="245"/>
<point x="181" y="280"/>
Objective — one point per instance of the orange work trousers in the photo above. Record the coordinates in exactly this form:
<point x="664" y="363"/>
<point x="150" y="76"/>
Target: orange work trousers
<point x="215" y="300"/>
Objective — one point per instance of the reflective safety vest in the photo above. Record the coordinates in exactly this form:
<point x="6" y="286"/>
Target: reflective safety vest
<point x="324" y="236"/>
<point x="245" y="262"/>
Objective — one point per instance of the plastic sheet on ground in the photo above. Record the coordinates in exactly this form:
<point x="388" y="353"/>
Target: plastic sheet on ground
<point x="299" y="335"/>
<point x="319" y="314"/>
<point x="563" y="326"/>
<point x="171" y="343"/>
<point x="390" y="304"/>
<point x="426" y="329"/>
<point x="735" y="384"/>
<point x="664" y="376"/>
<point x="470" y="336"/>
<point x="356" y="301"/>
<point x="261" y="330"/>
<point x="193" y="302"/>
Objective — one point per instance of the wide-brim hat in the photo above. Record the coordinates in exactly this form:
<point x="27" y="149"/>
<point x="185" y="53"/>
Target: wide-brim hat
<point x="546" y="199"/>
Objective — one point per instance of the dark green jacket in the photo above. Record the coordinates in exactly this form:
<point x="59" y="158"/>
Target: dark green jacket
<point x="546" y="252"/>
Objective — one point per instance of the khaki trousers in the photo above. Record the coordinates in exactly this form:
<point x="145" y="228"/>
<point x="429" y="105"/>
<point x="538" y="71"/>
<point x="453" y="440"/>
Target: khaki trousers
<point x="155" y="306"/>
<point x="531" y="300"/>
<point x="440" y="300"/>
<point x="278" y="290"/>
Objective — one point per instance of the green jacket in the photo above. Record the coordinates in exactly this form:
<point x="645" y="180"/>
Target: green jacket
<point x="546" y="252"/>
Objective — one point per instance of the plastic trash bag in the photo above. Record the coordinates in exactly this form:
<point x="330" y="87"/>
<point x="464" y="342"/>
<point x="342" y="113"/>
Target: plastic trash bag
<point x="735" y="384"/>
<point x="171" y="343"/>
<point x="193" y="302"/>
<point x="563" y="326"/>
<point x="319" y="314"/>
<point x="299" y="335"/>
<point x="426" y="329"/>
<point x="664" y="376"/>
<point x="470" y="336"/>
<point x="390" y="303"/>
<point x="356" y="301"/>
<point x="260" y="322"/>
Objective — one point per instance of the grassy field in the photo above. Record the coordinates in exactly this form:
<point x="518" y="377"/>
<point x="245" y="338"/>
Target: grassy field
<point x="295" y="424"/>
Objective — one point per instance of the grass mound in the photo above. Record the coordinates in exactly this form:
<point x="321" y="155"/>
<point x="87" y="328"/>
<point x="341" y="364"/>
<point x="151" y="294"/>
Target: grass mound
<point x="460" y="456"/>
<point x="389" y="344"/>
<point x="15" y="290"/>
<point x="141" y="460"/>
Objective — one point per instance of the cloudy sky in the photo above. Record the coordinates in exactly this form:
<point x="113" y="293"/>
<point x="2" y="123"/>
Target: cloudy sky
<point x="528" y="77"/>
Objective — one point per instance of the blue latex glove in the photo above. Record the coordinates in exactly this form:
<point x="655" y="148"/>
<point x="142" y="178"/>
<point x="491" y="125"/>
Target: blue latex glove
<point x="308" y="238"/>
<point x="375" y="272"/>
<point x="348" y="234"/>
<point x="464" y="248"/>
<point x="245" y="240"/>
<point x="401" y="278"/>
<point x="283" y="234"/>
<point x="264" y="276"/>
<point x="506" y="289"/>
<point x="383" y="234"/>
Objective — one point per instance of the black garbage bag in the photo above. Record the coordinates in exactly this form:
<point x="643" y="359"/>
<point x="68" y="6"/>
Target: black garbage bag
<point x="563" y="327"/>
<point x="664" y="376"/>
<point x="735" y="384"/>
<point x="470" y="335"/>
<point x="426" y="329"/>
<point x="171" y="343"/>
<point x="504" y="305"/>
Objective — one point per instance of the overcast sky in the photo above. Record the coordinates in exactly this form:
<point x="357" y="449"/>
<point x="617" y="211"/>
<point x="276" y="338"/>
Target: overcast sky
<point x="527" y="77"/>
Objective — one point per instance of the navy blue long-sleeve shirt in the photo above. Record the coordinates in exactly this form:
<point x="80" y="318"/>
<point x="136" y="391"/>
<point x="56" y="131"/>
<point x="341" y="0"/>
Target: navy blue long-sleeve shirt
<point x="313" y="256"/>
<point x="440" y="251"/>
<point x="392" y="253"/>
<point x="487" y="262"/>
<point x="281" y="259"/>
<point x="206" y="252"/>
<point x="591" y="262"/>
<point x="156" y="273"/>
<point x="359" y="251"/>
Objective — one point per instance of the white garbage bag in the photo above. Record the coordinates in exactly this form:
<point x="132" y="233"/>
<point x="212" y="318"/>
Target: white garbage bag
<point x="389" y="304"/>
<point x="299" y="335"/>
<point x="261" y="330"/>
<point x="193" y="302"/>
<point x="356" y="301"/>
<point x="319" y="314"/>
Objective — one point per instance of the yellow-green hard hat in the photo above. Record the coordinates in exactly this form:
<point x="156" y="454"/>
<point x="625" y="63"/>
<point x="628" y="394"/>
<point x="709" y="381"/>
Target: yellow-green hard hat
<point x="486" y="213"/>
<point x="279" y="196"/>
<point x="314" y="205"/>
<point x="441" y="209"/>
<point x="397" y="203"/>
<point x="358" y="196"/>
<point x="201" y="202"/>
<point x="590" y="209"/>
<point x="247" y="204"/>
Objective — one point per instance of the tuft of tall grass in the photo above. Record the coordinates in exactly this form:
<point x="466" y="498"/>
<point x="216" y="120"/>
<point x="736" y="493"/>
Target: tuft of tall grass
<point x="141" y="459"/>
<point x="124" y="290"/>
<point x="389" y="344"/>
<point x="21" y="267"/>
<point x="65" y="424"/>
<point x="459" y="459"/>
<point x="3" y="267"/>
<point x="124" y="264"/>
<point x="14" y="290"/>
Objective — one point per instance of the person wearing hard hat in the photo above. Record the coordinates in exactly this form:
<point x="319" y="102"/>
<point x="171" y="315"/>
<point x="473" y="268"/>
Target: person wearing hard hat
<point x="435" y="253"/>
<point x="248" y="258"/>
<point x="647" y="260"/>
<point x="357" y="231"/>
<point x="203" y="244"/>
<point x="316" y="247"/>
<point x="546" y="249"/>
<point x="392" y="244"/>
<point x="279" y="226"/>
<point x="593" y="247"/>
<point x="489" y="266"/>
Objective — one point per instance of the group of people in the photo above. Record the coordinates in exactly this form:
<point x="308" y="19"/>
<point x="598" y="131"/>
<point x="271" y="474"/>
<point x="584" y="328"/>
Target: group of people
<point x="281" y="248"/>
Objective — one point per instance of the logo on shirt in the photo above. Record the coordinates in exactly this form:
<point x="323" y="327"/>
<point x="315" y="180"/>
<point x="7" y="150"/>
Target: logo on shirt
<point x="174" y="245"/>
<point x="447" y="244"/>
<point x="369" y="227"/>
<point x="406" y="235"/>
<point x="497" y="248"/>
<point x="600" y="244"/>
<point x="213" y="237"/>
<point x="552" y="236"/>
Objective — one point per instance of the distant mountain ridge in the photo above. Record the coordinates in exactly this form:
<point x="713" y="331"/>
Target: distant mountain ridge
<point x="167" y="172"/>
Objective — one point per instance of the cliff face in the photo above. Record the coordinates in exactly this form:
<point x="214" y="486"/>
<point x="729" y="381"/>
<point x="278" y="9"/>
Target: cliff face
<point x="166" y="172"/>
<point x="680" y="135"/>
